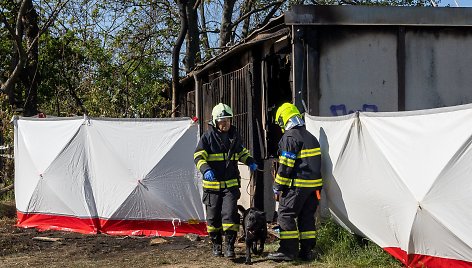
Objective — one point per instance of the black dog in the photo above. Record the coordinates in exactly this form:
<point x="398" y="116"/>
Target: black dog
<point x="255" y="231"/>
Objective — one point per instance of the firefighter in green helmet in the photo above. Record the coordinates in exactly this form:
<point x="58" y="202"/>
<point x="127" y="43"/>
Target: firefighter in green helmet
<point x="297" y="186"/>
<point x="216" y="156"/>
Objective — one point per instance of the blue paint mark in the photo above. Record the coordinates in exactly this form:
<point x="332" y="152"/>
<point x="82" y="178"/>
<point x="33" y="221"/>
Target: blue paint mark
<point x="335" y="108"/>
<point x="371" y="107"/>
<point x="341" y="109"/>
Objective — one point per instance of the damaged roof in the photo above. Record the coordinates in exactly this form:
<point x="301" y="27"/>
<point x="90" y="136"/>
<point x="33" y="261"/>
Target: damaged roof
<point x="378" y="15"/>
<point x="275" y="28"/>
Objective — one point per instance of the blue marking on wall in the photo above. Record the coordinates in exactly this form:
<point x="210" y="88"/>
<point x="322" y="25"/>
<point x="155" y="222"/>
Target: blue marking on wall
<point x="341" y="109"/>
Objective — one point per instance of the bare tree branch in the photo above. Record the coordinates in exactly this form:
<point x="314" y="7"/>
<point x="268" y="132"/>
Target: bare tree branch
<point x="236" y="22"/>
<point x="271" y="13"/>
<point x="176" y="53"/>
<point x="21" y="13"/>
<point x="6" y="189"/>
<point x="17" y="36"/>
<point x="197" y="4"/>
<point x="247" y="5"/>
<point x="226" y="24"/>
<point x="10" y="29"/>
<point x="347" y="2"/>
<point x="48" y="23"/>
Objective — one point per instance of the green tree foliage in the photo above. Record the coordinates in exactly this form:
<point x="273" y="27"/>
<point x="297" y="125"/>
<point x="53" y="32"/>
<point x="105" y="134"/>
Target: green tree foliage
<point x="107" y="59"/>
<point x="92" y="79"/>
<point x="5" y="50"/>
<point x="102" y="52"/>
<point x="377" y="2"/>
<point x="102" y="58"/>
<point x="6" y="142"/>
<point x="112" y="58"/>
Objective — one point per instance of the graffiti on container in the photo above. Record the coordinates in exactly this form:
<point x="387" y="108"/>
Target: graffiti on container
<point x="341" y="109"/>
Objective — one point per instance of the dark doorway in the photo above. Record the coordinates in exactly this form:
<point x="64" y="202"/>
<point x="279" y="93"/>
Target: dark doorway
<point x="277" y="90"/>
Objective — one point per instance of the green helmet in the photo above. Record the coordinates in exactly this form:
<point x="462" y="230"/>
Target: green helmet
<point x="284" y="113"/>
<point x="220" y="111"/>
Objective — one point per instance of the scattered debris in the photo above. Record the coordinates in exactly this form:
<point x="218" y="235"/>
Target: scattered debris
<point x="272" y="233"/>
<point x="173" y="247"/>
<point x="47" y="239"/>
<point x="193" y="237"/>
<point x="157" y="241"/>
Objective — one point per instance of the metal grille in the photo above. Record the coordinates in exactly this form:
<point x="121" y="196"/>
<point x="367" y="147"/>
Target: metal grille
<point x="233" y="89"/>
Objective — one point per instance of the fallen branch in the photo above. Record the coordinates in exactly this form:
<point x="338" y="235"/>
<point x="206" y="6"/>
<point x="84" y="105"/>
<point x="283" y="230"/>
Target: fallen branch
<point x="47" y="239"/>
<point x="6" y="189"/>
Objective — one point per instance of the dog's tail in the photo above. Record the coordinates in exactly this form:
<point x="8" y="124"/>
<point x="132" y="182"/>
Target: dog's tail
<point x="242" y="209"/>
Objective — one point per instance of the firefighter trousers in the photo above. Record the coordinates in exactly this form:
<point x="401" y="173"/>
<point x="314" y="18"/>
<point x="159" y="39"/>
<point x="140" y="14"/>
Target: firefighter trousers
<point x="296" y="217"/>
<point x="221" y="210"/>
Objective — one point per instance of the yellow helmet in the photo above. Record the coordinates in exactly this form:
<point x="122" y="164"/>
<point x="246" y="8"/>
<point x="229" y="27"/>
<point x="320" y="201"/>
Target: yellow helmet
<point x="220" y="111"/>
<point x="284" y="113"/>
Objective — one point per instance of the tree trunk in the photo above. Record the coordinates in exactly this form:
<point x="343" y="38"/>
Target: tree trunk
<point x="193" y="43"/>
<point x="25" y="60"/>
<point x="17" y="60"/>
<point x="246" y="8"/>
<point x="176" y="53"/>
<point x="226" y="26"/>
<point x="204" y="34"/>
<point x="13" y="98"/>
<point x="18" y="53"/>
<point x="78" y="101"/>
<point x="30" y="73"/>
<point x="246" y="16"/>
<point x="272" y="12"/>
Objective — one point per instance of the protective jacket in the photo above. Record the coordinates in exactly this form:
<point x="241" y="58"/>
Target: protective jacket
<point x="299" y="179"/>
<point x="300" y="161"/>
<point x="221" y="152"/>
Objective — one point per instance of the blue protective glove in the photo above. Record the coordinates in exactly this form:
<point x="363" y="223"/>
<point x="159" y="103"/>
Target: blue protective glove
<point x="209" y="175"/>
<point x="253" y="166"/>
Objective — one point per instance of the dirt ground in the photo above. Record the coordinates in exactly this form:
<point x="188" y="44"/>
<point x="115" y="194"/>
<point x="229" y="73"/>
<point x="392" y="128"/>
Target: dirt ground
<point x="24" y="248"/>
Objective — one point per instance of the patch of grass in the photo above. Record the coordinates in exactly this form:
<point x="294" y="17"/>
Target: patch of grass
<point x="338" y="248"/>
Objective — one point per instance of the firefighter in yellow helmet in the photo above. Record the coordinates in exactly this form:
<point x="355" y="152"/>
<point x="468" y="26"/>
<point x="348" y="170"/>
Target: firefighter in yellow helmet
<point x="297" y="186"/>
<point x="216" y="156"/>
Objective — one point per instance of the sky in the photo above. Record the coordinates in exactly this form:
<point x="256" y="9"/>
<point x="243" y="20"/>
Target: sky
<point x="452" y="3"/>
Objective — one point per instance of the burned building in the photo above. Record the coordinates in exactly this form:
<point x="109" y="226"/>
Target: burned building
<point x="334" y="60"/>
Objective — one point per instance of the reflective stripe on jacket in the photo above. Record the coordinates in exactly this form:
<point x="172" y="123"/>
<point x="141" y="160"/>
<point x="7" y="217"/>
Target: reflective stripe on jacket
<point x="212" y="153"/>
<point x="299" y="159"/>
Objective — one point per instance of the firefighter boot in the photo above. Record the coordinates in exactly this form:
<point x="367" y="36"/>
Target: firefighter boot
<point x="286" y="252"/>
<point x="230" y="239"/>
<point x="306" y="250"/>
<point x="217" y="241"/>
